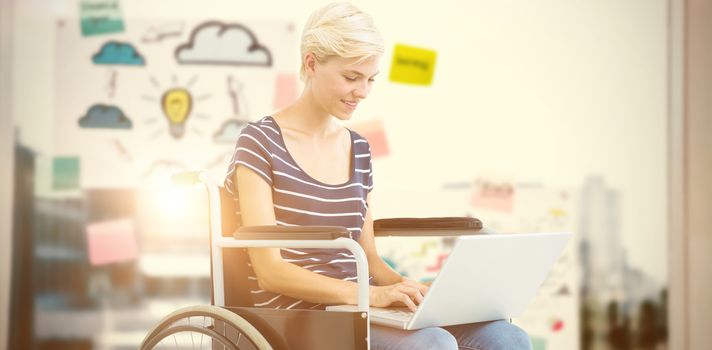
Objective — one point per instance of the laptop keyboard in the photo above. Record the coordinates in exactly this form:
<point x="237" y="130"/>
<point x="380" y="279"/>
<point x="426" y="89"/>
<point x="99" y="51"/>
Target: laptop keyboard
<point x="394" y="313"/>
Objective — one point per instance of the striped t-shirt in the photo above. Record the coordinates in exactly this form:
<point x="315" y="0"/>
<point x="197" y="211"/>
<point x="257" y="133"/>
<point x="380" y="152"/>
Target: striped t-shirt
<point x="300" y="200"/>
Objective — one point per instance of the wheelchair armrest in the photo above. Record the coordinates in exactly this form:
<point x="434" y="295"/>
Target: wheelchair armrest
<point x="275" y="232"/>
<point x="421" y="227"/>
<point x="326" y="237"/>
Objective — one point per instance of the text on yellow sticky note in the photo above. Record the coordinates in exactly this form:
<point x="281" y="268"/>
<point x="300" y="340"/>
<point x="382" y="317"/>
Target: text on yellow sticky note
<point x="412" y="65"/>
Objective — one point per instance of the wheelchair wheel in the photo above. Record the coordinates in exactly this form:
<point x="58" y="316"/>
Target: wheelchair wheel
<point x="204" y="327"/>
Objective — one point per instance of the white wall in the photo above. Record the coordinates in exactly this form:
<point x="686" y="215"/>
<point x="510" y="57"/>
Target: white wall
<point x="546" y="91"/>
<point x="6" y="167"/>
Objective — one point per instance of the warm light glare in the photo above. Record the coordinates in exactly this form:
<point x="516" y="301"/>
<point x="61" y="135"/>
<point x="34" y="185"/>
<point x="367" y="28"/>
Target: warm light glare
<point x="173" y="203"/>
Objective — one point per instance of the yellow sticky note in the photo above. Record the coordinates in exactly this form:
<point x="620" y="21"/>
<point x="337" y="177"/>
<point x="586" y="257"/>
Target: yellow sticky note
<point x="412" y="65"/>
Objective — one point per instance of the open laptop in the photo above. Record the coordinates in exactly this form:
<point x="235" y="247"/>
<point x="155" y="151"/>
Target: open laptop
<point x="485" y="277"/>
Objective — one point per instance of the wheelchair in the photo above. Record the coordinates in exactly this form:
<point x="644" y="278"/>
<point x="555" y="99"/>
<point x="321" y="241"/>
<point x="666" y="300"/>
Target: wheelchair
<point x="232" y="322"/>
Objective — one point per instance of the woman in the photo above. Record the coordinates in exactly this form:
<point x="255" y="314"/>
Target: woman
<point x="300" y="167"/>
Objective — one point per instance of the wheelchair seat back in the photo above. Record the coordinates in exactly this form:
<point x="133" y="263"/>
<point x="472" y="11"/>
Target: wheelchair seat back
<point x="235" y="261"/>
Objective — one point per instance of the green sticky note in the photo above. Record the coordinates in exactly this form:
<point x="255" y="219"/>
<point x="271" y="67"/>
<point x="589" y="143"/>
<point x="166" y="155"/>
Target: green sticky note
<point x="412" y="65"/>
<point x="65" y="173"/>
<point x="538" y="343"/>
<point x="100" y="17"/>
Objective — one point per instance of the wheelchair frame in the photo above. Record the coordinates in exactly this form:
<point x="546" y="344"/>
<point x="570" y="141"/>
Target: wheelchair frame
<point x="310" y="329"/>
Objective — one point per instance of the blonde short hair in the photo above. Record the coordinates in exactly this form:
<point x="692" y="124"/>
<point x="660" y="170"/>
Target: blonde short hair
<point x="340" y="29"/>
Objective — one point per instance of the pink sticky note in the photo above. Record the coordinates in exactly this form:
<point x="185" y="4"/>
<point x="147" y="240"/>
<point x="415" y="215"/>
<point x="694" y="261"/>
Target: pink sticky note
<point x="286" y="90"/>
<point x="497" y="197"/>
<point x="375" y="133"/>
<point x="111" y="241"/>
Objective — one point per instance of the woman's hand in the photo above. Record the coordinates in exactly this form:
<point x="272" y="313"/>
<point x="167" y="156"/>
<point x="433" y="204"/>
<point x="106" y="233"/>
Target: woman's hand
<point x="406" y="292"/>
<point x="422" y="287"/>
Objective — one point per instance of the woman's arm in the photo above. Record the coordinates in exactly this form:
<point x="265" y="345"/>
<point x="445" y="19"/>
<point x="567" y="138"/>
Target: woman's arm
<point x="278" y="276"/>
<point x="382" y="274"/>
<point x="273" y="273"/>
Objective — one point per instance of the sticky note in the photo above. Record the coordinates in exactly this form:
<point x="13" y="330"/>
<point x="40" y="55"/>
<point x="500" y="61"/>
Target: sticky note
<point x="538" y="343"/>
<point x="492" y="196"/>
<point x="65" y="173"/>
<point x="412" y="65"/>
<point x="375" y="133"/>
<point x="100" y="17"/>
<point x="111" y="241"/>
<point x="285" y="90"/>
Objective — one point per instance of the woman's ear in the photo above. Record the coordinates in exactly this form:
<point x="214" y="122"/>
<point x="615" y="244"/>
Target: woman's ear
<point x="310" y="64"/>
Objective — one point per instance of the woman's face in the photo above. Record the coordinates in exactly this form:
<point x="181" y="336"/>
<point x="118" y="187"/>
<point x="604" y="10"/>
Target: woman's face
<point x="339" y="84"/>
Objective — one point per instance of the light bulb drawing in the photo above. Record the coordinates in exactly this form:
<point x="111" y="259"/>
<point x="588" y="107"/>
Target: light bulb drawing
<point x="177" y="104"/>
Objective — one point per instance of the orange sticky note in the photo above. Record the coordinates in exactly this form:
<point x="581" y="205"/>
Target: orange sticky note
<point x="111" y="241"/>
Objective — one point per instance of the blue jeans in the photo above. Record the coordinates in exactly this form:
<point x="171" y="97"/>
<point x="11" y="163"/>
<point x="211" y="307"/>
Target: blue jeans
<point x="494" y="335"/>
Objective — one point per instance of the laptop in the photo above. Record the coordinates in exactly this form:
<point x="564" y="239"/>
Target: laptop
<point x="485" y="278"/>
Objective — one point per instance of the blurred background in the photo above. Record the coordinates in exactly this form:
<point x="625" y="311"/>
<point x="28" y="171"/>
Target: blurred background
<point x="582" y="116"/>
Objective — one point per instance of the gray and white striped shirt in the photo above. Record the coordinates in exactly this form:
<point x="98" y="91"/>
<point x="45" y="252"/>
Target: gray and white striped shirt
<point x="300" y="200"/>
